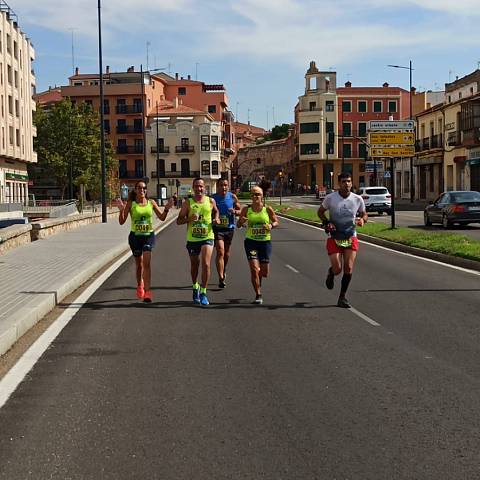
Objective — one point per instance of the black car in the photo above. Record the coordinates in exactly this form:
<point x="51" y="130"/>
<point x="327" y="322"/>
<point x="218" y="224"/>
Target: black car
<point x="461" y="207"/>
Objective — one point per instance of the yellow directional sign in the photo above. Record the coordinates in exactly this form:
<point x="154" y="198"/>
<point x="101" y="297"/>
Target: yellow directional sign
<point x="399" y="151"/>
<point x="386" y="138"/>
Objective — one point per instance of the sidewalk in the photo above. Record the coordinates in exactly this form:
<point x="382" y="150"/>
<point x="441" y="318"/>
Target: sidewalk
<point x="34" y="278"/>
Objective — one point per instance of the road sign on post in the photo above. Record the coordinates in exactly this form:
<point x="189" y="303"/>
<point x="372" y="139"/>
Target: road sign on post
<point x="391" y="139"/>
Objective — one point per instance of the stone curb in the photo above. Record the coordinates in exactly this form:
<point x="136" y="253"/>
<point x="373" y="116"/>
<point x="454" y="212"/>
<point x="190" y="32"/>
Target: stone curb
<point x="28" y="316"/>
<point x="418" y="252"/>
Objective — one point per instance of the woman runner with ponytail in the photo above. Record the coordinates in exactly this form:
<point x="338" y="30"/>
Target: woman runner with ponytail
<point x="142" y="236"/>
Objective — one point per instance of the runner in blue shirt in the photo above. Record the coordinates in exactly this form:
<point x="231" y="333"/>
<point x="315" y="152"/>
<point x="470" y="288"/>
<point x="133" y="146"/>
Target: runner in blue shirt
<point x="228" y="206"/>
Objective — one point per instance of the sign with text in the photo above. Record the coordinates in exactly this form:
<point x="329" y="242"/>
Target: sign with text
<point x="370" y="166"/>
<point x="391" y="125"/>
<point x="391" y="138"/>
<point x="393" y="151"/>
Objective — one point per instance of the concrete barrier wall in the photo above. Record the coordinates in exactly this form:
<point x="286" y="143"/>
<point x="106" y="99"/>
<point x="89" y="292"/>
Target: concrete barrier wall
<point x="17" y="235"/>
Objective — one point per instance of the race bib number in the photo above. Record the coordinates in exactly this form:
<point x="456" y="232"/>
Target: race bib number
<point x="199" y="230"/>
<point x="224" y="221"/>
<point x="142" y="227"/>
<point x="259" y="230"/>
<point x="344" y="243"/>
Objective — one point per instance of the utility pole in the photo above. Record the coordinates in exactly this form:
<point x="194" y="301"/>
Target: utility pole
<point x="102" y="126"/>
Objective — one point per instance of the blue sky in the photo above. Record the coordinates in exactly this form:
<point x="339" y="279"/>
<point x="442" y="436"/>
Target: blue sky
<point x="259" y="49"/>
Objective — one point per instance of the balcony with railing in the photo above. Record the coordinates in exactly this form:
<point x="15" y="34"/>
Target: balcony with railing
<point x="429" y="143"/>
<point x="130" y="174"/>
<point x="471" y="137"/>
<point x="160" y="151"/>
<point x="129" y="109"/>
<point x="130" y="149"/>
<point x="176" y="174"/>
<point x="185" y="149"/>
<point x="129" y="130"/>
<point x="453" y="139"/>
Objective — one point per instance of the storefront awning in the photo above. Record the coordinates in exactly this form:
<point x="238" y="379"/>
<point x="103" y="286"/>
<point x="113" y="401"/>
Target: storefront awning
<point x="459" y="159"/>
<point x="476" y="161"/>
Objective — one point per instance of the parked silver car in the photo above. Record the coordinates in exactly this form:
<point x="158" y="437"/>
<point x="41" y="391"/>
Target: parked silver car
<point x="461" y="207"/>
<point x="377" y="199"/>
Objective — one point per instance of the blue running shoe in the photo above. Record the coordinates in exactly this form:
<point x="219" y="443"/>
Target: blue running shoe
<point x="204" y="299"/>
<point x="196" y="295"/>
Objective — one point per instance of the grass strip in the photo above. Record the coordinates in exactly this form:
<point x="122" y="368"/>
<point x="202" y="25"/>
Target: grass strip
<point x="448" y="243"/>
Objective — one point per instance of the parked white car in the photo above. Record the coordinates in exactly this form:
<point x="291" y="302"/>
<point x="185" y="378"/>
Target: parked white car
<point x="377" y="199"/>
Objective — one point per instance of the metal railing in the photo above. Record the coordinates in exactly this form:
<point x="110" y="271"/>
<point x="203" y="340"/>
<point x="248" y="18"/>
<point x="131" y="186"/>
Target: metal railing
<point x="129" y="109"/>
<point x="185" y="149"/>
<point x="161" y="150"/>
<point x="129" y="149"/>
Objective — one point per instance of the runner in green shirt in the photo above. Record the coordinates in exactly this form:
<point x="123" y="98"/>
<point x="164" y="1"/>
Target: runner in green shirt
<point x="199" y="213"/>
<point x="142" y="237"/>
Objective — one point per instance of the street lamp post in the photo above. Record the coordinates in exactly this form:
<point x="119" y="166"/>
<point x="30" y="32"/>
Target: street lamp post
<point x="409" y="68"/>
<point x="102" y="127"/>
<point x="280" y="174"/>
<point x="158" y="157"/>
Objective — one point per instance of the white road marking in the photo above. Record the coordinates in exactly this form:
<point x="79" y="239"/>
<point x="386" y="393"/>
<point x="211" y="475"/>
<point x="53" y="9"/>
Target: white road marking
<point x="364" y="317"/>
<point x="437" y="262"/>
<point x="10" y="382"/>
<point x="294" y="270"/>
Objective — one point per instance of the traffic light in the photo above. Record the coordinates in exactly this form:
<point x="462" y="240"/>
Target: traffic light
<point x="177" y="182"/>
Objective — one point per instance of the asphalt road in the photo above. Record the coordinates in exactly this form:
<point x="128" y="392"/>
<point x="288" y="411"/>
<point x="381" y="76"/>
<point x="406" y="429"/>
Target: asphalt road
<point x="294" y="389"/>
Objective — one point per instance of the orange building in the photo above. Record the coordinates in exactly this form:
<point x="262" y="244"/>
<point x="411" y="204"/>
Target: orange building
<point x="127" y="103"/>
<point x="130" y="102"/>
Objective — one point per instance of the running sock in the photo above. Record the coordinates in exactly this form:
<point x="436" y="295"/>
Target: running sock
<point x="345" y="282"/>
<point x="196" y="286"/>
<point x="203" y="290"/>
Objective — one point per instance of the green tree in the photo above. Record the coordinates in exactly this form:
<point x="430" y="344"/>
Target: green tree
<point x="278" y="132"/>
<point x="68" y="137"/>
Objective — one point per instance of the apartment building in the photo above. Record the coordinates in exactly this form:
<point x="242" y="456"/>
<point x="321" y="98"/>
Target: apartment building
<point x="17" y="85"/>
<point x="317" y="127"/>
<point x="182" y="143"/>
<point x="129" y="98"/>
<point x="461" y="163"/>
<point x="429" y="144"/>
<point x="209" y="98"/>
<point x="357" y="106"/>
<point x="332" y="127"/>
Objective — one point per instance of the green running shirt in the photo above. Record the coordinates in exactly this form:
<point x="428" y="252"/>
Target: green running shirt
<point x="200" y="229"/>
<point x="256" y="225"/>
<point x="142" y="218"/>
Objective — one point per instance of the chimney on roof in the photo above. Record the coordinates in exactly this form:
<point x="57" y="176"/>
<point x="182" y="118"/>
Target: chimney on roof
<point x="176" y="76"/>
<point x="188" y="77"/>
<point x="413" y="90"/>
<point x="107" y="70"/>
<point x="385" y="85"/>
<point x="77" y="70"/>
<point x="348" y="84"/>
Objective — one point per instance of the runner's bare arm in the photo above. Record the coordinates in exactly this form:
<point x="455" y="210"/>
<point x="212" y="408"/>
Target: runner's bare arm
<point x="273" y="218"/>
<point x="184" y="213"/>
<point x="236" y="205"/>
<point x="123" y="215"/>
<point x="162" y="215"/>
<point x="243" y="217"/>
<point x="215" y="212"/>
<point x="321" y="214"/>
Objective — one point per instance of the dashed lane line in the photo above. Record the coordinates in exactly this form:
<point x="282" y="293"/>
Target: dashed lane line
<point x="294" y="270"/>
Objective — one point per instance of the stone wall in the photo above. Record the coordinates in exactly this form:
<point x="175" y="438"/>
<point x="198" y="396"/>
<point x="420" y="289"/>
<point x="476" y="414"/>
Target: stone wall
<point x="17" y="235"/>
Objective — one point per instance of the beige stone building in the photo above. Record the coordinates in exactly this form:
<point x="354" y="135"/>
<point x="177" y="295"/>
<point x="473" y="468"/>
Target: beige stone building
<point x="17" y="85"/>
<point x="266" y="160"/>
<point x="316" y="119"/>
<point x="429" y="147"/>
<point x="462" y="133"/>
<point x="186" y="143"/>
